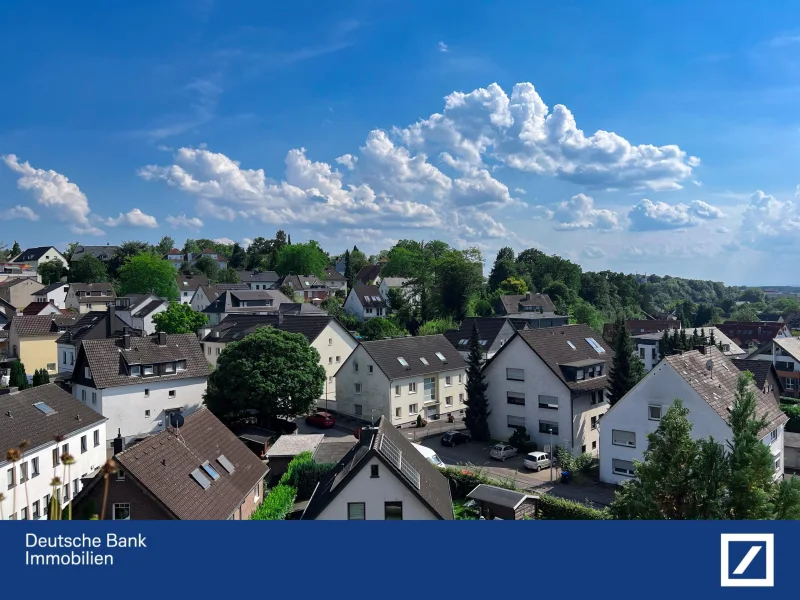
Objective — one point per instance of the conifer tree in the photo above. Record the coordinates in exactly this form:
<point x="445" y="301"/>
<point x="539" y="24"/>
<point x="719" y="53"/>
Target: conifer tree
<point x="626" y="368"/>
<point x="18" y="378"/>
<point x="684" y="341"/>
<point x="477" y="413"/>
<point x="675" y="342"/>
<point x="711" y="340"/>
<point x="664" y="345"/>
<point x="703" y="337"/>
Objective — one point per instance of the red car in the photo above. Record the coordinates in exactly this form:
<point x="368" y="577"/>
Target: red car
<point x="321" y="419"/>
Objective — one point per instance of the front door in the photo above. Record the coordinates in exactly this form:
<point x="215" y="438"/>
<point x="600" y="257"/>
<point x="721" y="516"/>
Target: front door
<point x="431" y="411"/>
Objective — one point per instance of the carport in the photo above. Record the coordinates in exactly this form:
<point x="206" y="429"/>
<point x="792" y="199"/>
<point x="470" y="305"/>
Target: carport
<point x="499" y="503"/>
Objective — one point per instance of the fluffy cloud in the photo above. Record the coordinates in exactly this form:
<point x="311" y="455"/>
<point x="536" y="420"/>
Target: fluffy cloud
<point x="348" y="160"/>
<point x="654" y="216"/>
<point x="592" y="252"/>
<point x="184" y="221"/>
<point x="133" y="218"/>
<point x="768" y="222"/>
<point x="579" y="213"/>
<point x="224" y="240"/>
<point x="59" y="195"/>
<point x="19" y="212"/>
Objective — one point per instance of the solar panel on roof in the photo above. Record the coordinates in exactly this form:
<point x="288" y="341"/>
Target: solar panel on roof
<point x="201" y="479"/>
<point x="226" y="464"/>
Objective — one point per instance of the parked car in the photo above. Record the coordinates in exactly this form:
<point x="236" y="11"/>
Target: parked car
<point x="502" y="451"/>
<point x="432" y="457"/>
<point x="536" y="461"/>
<point x="454" y="438"/>
<point x="321" y="419"/>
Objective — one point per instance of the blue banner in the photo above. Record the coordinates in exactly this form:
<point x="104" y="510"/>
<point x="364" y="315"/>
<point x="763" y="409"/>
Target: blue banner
<point x="479" y="559"/>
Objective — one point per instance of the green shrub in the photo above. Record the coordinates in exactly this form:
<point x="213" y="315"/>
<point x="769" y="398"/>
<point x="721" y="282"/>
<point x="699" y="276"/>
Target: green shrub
<point x="519" y="438"/>
<point x="277" y="505"/>
<point x="584" y="463"/>
<point x="793" y="412"/>
<point x="553" y="508"/>
<point x="300" y="459"/>
<point x="306" y="476"/>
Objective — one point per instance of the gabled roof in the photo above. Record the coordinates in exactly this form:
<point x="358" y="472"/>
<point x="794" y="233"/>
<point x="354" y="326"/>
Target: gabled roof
<point x="7" y="308"/>
<point x="12" y="281"/>
<point x="369" y="296"/>
<point x="36" y="308"/>
<point x="149" y="308"/>
<point x="235" y="327"/>
<point x="33" y="254"/>
<point x="400" y="457"/>
<point x="258" y="276"/>
<point x="412" y="350"/>
<point x="21" y="420"/>
<point x="190" y="283"/>
<point x="394" y="282"/>
<point x="745" y="333"/>
<point x="109" y="360"/>
<point x="789" y="345"/>
<point x="51" y="288"/>
<point x="162" y="464"/>
<point x="488" y="327"/>
<point x="717" y="385"/>
<point x="554" y="346"/>
<point x="498" y="496"/>
<point x="89" y="322"/>
<point x="300" y="308"/>
<point x="230" y="301"/>
<point x="331" y="274"/>
<point x="96" y="251"/>
<point x="304" y="282"/>
<point x="41" y="325"/>
<point x="510" y="304"/>
<point x="760" y="370"/>
<point x="368" y="273"/>
<point x="92" y="287"/>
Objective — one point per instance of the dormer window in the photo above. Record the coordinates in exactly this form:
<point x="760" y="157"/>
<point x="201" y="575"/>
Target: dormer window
<point x="180" y="365"/>
<point x="147" y="369"/>
<point x="579" y="375"/>
<point x="136" y="370"/>
<point x="169" y="367"/>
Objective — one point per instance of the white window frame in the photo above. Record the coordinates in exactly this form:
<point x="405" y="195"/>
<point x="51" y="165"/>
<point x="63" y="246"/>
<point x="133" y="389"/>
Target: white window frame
<point x="448" y="381"/>
<point x="650" y="413"/>
<point x="773" y="435"/>
<point x="618" y="441"/>
<point x="448" y="401"/>
<point x="413" y="409"/>
<point x="511" y="371"/>
<point x="412" y="387"/>
<point x="114" y="511"/>
<point x="622" y="471"/>
<point x="397" y="391"/>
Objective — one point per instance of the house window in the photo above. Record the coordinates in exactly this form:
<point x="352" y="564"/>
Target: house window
<point x="330" y="379"/>
<point x="147" y="413"/>
<point x="66" y="492"/>
<point x="209" y="350"/>
<point x="641" y="353"/>
<point x="355" y="366"/>
<point x="84" y="444"/>
<point x="180" y="365"/>
<point x="777" y="461"/>
<point x="599" y="370"/>
<point x="330" y="341"/>
<point x="36" y="513"/>
<point x="622" y="467"/>
<point x="148" y="369"/>
<point x="460" y="379"/>
<point x="146" y="393"/>
<point x="23" y="514"/>
<point x="120" y="475"/>
<point x="412" y="409"/>
<point x="369" y="369"/>
<point x="398" y="412"/>
<point x="172" y="393"/>
<point x="594" y="445"/>
<point x="448" y="381"/>
<point x="412" y="388"/>
<point x="548" y="427"/>
<point x="654" y="412"/>
<point x="515" y="374"/>
<point x="83" y="396"/>
<point x="368" y="311"/>
<point x="513" y="421"/>
<point x="96" y="438"/>
<point x="358" y="388"/>
<point x="87" y="372"/>
<point x="34" y="467"/>
<point x="23" y="472"/>
<point x="356" y="511"/>
<point x="358" y="409"/>
<point x="397" y="390"/>
<point x="330" y="360"/>
<point x="448" y="401"/>
<point x="548" y="401"/>
<point x="374" y="471"/>
<point x="623" y="438"/>
<point x="594" y="422"/>
<point x="653" y="353"/>
<point x="122" y="511"/>
<point x="789" y="383"/>
<point x="393" y="511"/>
<point x="517" y="398"/>
<point x="579" y="375"/>
<point x="94" y="397"/>
<point x="169" y="367"/>
<point x="429" y="389"/>
<point x="773" y="435"/>
<point x="461" y="398"/>
<point x="338" y="359"/>
<point x="75" y="484"/>
<point x="55" y="457"/>
<point x="51" y="366"/>
<point x="64" y="449"/>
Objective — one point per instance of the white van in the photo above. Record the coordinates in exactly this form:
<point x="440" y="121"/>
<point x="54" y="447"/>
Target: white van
<point x="536" y="461"/>
<point x="432" y="457"/>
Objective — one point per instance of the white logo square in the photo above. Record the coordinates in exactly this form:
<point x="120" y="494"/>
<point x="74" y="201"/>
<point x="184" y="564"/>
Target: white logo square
<point x="768" y="541"/>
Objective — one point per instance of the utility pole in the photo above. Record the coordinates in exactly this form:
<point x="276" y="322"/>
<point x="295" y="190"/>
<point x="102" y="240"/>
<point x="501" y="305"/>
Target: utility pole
<point x="550" y="429"/>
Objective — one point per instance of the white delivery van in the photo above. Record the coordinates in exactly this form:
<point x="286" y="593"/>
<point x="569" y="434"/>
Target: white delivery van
<point x="432" y="457"/>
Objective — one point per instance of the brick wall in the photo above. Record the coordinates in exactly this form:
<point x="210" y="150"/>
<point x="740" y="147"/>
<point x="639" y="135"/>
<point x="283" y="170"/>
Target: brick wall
<point x="143" y="507"/>
<point x="249" y="505"/>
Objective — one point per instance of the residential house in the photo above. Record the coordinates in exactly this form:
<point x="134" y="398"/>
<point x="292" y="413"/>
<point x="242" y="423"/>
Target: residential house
<point x="791" y="450"/>
<point x="19" y="291"/>
<point x="42" y="415"/>
<point x="139" y="382"/>
<point x="647" y="345"/>
<point x="101" y="253"/>
<point x="397" y="283"/>
<point x="750" y="336"/>
<point x="42" y="308"/>
<point x="95" y="325"/>
<point x="773" y="317"/>
<point x="365" y="302"/>
<point x="206" y="294"/>
<point x="335" y="281"/>
<point x="7" y="312"/>
<point x="137" y="311"/>
<point x="706" y="381"/>
<point x="401" y="379"/>
<point x="55" y="293"/>
<point x="175" y="258"/>
<point x="494" y="333"/>
<point x="533" y="311"/>
<point x="38" y="255"/>
<point x="86" y="297"/>
<point x="553" y="383"/>
<point x="244" y="302"/>
<point x="643" y="326"/>
<point x="341" y="265"/>
<point x="196" y="472"/>
<point x="32" y="339"/>
<point x="369" y="274"/>
<point x="10" y="270"/>
<point x="784" y="354"/>
<point x="307" y="288"/>
<point x="325" y="334"/>
<point x="765" y="376"/>
<point x="300" y="308"/>
<point x="188" y="284"/>
<point x="382" y="478"/>
<point x="259" y="280"/>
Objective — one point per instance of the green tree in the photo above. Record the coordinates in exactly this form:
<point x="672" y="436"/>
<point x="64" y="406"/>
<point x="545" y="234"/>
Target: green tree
<point x="238" y="258"/>
<point x="70" y="251"/>
<point x="148" y="274"/>
<point x="664" y="345"/>
<point x="583" y="312"/>
<point x="88" y="269"/>
<point x="753" y="295"/>
<point x="124" y="251"/>
<point x="165" y="245"/>
<point x="51" y="271"/>
<point x="481" y="308"/>
<point x="458" y="275"/>
<point x="437" y="326"/>
<point x="15" y="249"/>
<point x="18" y="378"/>
<point x="179" y="318"/>
<point x="301" y="259"/>
<point x="271" y="371"/>
<point x="358" y="260"/>
<point x="208" y="267"/>
<point x="228" y="275"/>
<point x="477" y="413"/>
<point x="744" y="313"/>
<point x="349" y="274"/>
<point x="503" y="268"/>
<point x="512" y="286"/>
<point x="378" y="328"/>
<point x="626" y="368"/>
<point x="191" y="247"/>
<point x="40" y="377"/>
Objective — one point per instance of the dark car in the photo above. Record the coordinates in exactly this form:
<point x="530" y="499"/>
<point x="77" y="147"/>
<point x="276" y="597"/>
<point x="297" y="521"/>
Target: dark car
<point x="321" y="419"/>
<point x="454" y="438"/>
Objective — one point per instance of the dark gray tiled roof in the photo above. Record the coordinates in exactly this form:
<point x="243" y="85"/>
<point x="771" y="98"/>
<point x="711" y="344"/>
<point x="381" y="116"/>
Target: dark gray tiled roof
<point x="332" y="451"/>
<point x="759" y="368"/>
<point x="412" y="349"/>
<point x="230" y="300"/>
<point x="368" y="273"/>
<point x="29" y="423"/>
<point x="92" y="287"/>
<point x="107" y="358"/>
<point x="190" y="283"/>
<point x="433" y="490"/>
<point x="40" y="325"/>
<point x="162" y="464"/>
<point x="100" y="252"/>
<point x="488" y="327"/>
<point x="51" y="288"/>
<point x="510" y="304"/>
<point x="32" y="254"/>
<point x="366" y="295"/>
<point x="235" y="327"/>
<point x="258" y="276"/>
<point x="331" y="274"/>
<point x="87" y="323"/>
<point x="301" y="308"/>
<point x="149" y="307"/>
<point x="497" y="495"/>
<point x="717" y="386"/>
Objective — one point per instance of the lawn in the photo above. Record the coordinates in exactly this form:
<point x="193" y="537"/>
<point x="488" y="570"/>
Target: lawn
<point x="464" y="513"/>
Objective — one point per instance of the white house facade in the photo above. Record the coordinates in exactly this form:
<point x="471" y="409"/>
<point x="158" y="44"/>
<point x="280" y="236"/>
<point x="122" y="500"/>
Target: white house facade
<point x="365" y="302"/>
<point x="55" y="293"/>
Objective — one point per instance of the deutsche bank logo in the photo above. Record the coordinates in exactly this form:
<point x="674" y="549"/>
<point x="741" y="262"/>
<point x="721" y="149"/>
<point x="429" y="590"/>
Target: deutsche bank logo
<point x="748" y="559"/>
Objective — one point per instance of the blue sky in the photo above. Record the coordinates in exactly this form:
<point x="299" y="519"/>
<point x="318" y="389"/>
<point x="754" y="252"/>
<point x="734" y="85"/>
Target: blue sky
<point x="657" y="137"/>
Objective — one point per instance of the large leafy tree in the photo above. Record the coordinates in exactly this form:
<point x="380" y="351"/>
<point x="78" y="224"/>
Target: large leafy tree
<point x="379" y="328"/>
<point x="358" y="260"/>
<point x="301" y="259"/>
<point x="229" y="275"/>
<point x="512" y="286"/>
<point x="191" y="246"/>
<point x="503" y="268"/>
<point x="583" y="312"/>
<point x="744" y="313"/>
<point x="626" y="368"/>
<point x="179" y="318"/>
<point x="125" y="251"/>
<point x="459" y="275"/>
<point x="271" y="371"/>
<point x="51" y="271"/>
<point x="165" y="245"/>
<point x="477" y="413"/>
<point x="88" y="269"/>
<point x="148" y="274"/>
<point x="208" y="267"/>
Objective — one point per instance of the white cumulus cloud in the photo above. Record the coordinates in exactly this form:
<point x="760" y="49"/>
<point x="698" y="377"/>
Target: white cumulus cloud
<point x="19" y="212"/>
<point x="579" y="212"/>
<point x="654" y="216"/>
<point x="134" y="218"/>
<point x="224" y="240"/>
<point x="184" y="221"/>
<point x="768" y="222"/>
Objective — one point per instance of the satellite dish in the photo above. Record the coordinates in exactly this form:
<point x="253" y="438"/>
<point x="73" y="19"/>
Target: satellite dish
<point x="709" y="364"/>
<point x="176" y="420"/>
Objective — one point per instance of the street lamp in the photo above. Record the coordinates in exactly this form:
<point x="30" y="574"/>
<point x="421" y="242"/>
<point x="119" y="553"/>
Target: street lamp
<point x="550" y="430"/>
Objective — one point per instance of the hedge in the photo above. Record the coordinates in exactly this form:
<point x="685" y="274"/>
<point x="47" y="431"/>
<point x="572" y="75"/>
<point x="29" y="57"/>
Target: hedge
<point x="277" y="505"/>
<point x="463" y="481"/>
<point x="303" y="474"/>
<point x="793" y="412"/>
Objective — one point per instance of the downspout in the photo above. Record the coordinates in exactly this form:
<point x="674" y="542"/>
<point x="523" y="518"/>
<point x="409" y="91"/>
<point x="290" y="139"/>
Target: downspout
<point x="571" y="423"/>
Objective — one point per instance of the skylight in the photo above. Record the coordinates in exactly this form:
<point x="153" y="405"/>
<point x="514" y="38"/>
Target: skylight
<point x="593" y="343"/>
<point x="45" y="408"/>
<point x="441" y="357"/>
<point x="402" y="361"/>
<point x="201" y="479"/>
<point x="226" y="464"/>
<point x="210" y="471"/>
<point x="463" y="342"/>
<point x="423" y="360"/>
<point x="571" y="345"/>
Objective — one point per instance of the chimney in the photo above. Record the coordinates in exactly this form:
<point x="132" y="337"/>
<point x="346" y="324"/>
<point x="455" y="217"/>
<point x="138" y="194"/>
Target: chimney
<point x="162" y="338"/>
<point x="126" y="340"/>
<point x="701" y="349"/>
<point x="111" y="320"/>
<point x="527" y="295"/>
<point x="118" y="442"/>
